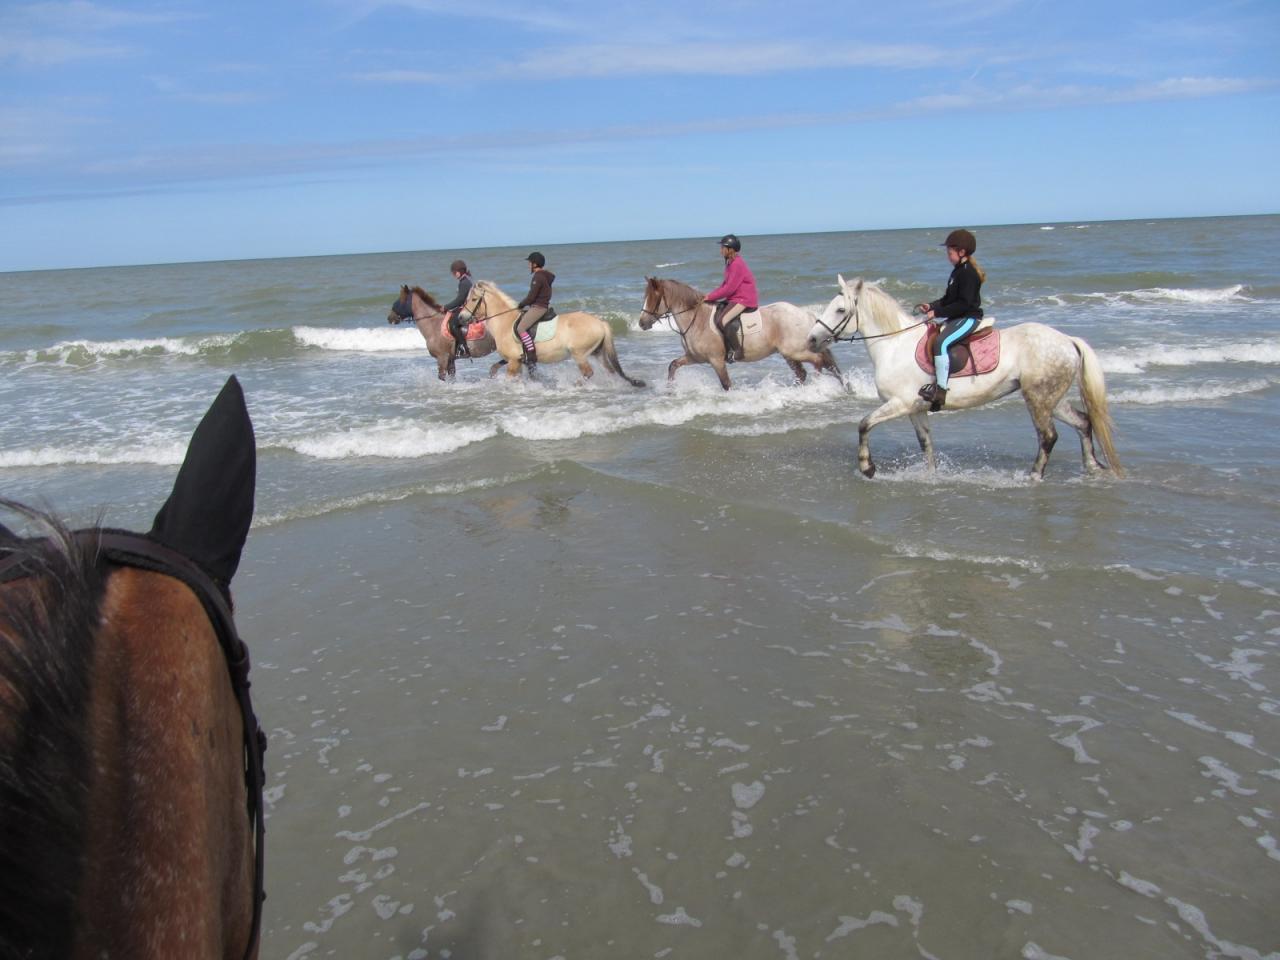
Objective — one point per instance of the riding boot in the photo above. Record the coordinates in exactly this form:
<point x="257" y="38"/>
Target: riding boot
<point x="530" y="351"/>
<point x="461" y="349"/>
<point x="939" y="398"/>
<point x="733" y="341"/>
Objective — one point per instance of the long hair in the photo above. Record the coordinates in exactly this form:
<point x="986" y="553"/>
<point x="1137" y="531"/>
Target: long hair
<point x="973" y="262"/>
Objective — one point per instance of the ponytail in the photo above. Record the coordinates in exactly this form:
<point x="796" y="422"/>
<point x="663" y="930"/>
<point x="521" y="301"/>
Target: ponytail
<point x="982" y="274"/>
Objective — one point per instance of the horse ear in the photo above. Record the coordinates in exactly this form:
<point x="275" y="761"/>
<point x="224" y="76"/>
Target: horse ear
<point x="843" y="284"/>
<point x="208" y="513"/>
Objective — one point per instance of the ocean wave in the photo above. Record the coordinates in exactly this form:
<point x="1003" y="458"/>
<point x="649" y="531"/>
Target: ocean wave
<point x="1236" y="293"/>
<point x="390" y="439"/>
<point x="1204" y="391"/>
<point x="388" y="339"/>
<point x="165" y="454"/>
<point x="243" y="345"/>
<point x="1137" y="359"/>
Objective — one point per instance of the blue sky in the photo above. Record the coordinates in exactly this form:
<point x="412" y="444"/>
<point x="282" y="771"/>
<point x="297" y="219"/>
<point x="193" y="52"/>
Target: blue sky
<point x="167" y="131"/>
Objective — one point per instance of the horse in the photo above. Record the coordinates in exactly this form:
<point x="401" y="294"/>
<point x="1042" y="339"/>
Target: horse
<point x="579" y="335"/>
<point x="1035" y="358"/>
<point x="416" y="304"/>
<point x="782" y="328"/>
<point x="130" y="757"/>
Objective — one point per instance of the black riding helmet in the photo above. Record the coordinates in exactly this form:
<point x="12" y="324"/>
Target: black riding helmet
<point x="732" y="242"/>
<point x="458" y="266"/>
<point x="537" y="259"/>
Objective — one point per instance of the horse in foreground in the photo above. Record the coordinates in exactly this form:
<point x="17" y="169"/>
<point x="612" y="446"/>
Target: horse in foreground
<point x="579" y="335"/>
<point x="417" y="305"/>
<point x="130" y="758"/>
<point x="1037" y="359"/>
<point x="776" y="328"/>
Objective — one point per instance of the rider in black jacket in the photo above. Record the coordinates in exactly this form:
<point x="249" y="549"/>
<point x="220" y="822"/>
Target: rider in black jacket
<point x="957" y="311"/>
<point x="453" y="309"/>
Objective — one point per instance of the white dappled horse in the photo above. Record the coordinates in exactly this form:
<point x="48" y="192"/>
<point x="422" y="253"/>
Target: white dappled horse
<point x="1037" y="359"/>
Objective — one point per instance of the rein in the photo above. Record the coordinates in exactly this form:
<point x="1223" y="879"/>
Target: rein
<point x="670" y="315"/>
<point x="856" y="337"/>
<point x="135" y="550"/>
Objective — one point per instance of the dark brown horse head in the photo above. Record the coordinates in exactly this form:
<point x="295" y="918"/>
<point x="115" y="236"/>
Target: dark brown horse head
<point x="129" y="754"/>
<point x="402" y="306"/>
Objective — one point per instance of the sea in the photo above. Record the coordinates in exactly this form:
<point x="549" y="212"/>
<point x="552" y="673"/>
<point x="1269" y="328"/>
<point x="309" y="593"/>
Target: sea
<point x="564" y="669"/>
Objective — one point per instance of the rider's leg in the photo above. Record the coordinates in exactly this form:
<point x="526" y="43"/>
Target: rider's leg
<point x="528" y="318"/>
<point x="731" y="329"/>
<point x="459" y="334"/>
<point x="953" y="331"/>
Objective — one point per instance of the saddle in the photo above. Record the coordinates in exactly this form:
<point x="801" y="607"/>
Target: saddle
<point x="544" y="328"/>
<point x="474" y="328"/>
<point x="977" y="353"/>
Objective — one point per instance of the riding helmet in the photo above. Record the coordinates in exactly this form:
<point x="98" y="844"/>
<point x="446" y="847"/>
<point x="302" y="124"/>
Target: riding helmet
<point x="961" y="240"/>
<point x="458" y="266"/>
<point x="537" y="259"/>
<point x="730" y="241"/>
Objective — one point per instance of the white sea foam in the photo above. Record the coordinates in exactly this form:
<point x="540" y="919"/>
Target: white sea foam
<point x="388" y="339"/>
<point x="108" y="454"/>
<point x="1137" y="359"/>
<point x="1204" y="391"/>
<point x="1231" y="294"/>
<point x="80" y="352"/>
<point x="394" y="439"/>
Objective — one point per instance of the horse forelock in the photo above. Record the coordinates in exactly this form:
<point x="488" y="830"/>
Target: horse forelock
<point x="48" y="627"/>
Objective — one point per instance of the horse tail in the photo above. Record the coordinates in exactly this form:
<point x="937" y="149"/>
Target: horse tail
<point x="1094" y="390"/>
<point x="610" y="354"/>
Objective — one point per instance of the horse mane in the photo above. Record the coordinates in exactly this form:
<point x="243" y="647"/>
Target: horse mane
<point x="490" y="287"/>
<point x="680" y="296"/>
<point x="888" y="310"/>
<point x="47" y="638"/>
<point x="431" y="301"/>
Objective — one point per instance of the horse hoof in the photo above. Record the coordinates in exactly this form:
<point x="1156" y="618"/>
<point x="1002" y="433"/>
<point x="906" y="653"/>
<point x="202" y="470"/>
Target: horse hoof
<point x="869" y="470"/>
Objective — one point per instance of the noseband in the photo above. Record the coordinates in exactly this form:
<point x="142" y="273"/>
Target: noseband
<point x="134" y="550"/>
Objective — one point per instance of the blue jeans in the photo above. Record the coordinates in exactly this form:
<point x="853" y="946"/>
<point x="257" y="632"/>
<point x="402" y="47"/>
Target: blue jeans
<point x="953" y="331"/>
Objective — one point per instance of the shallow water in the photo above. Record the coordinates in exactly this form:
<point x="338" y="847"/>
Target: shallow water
<point x="553" y="670"/>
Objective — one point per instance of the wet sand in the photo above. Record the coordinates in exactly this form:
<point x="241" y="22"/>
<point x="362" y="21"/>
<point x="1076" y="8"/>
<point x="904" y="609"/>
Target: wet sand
<point x="578" y="716"/>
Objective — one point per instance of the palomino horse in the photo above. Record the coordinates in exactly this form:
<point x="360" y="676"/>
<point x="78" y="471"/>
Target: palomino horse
<point x="416" y="304"/>
<point x="130" y="758"/>
<point x="578" y="335"/>
<point x="783" y="328"/>
<point x="1038" y="360"/>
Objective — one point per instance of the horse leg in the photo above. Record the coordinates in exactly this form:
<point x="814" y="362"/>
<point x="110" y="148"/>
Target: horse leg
<point x="449" y="369"/>
<point x="1042" y="417"/>
<point x="797" y="369"/>
<point x="675" y="365"/>
<point x="827" y="364"/>
<point x="889" y="410"/>
<point x="1069" y="415"/>
<point x="584" y="368"/>
<point x="924" y="437"/>
<point x="493" y="370"/>
<point x="721" y="370"/>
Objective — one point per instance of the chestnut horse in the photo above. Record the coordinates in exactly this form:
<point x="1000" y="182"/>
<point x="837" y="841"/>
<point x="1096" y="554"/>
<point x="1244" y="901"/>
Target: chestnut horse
<point x="579" y="335"/>
<point x="777" y="328"/>
<point x="130" y="759"/>
<point x="416" y="303"/>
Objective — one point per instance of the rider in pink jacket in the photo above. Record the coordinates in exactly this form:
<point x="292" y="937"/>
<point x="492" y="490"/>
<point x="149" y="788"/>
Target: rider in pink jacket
<point x="735" y="296"/>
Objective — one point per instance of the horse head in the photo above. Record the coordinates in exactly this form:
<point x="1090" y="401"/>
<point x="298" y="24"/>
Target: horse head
<point x="839" y="314"/>
<point x="649" y="311"/>
<point x="402" y="306"/>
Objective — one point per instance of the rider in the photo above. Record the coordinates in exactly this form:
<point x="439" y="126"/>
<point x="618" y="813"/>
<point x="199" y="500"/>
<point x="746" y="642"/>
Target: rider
<point x="957" y="311"/>
<point x="535" y="305"/>
<point x="737" y="295"/>
<point x="453" y="309"/>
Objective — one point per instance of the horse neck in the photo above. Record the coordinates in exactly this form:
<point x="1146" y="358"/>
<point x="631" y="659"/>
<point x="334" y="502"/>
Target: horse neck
<point x="686" y="306"/>
<point x="500" y="316"/>
<point x="422" y="309"/>
<point x="879" y="314"/>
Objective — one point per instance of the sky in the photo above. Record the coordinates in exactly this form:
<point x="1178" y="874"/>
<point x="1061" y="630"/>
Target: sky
<point x="151" y="132"/>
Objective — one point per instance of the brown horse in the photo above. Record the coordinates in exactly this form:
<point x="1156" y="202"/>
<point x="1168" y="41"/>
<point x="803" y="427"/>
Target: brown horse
<point x="777" y="328"/>
<point x="578" y="335"/>
<point x="416" y="304"/>
<point x="130" y="759"/>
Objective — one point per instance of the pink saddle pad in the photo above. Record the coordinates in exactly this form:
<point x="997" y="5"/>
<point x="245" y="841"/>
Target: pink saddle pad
<point x="475" y="329"/>
<point x="985" y="355"/>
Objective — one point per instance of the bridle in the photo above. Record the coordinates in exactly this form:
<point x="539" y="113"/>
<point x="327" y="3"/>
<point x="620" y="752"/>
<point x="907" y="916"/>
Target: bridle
<point x="669" y="314"/>
<point x="135" y="550"/>
<point x="851" y="313"/>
